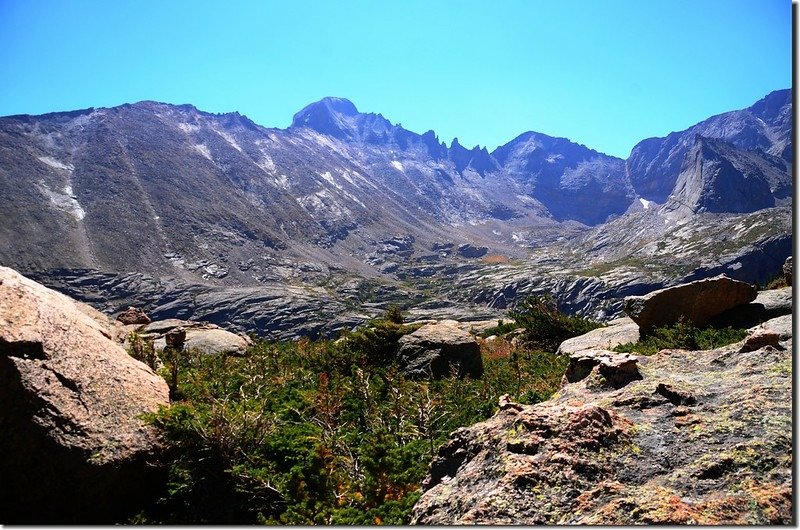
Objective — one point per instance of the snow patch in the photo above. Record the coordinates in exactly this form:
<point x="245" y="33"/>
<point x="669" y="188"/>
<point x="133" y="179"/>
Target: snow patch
<point x="52" y="162"/>
<point x="188" y="127"/>
<point x="346" y="176"/>
<point x="329" y="179"/>
<point x="230" y="139"/>
<point x="203" y="150"/>
<point x="314" y="204"/>
<point x="282" y="181"/>
<point x="397" y="165"/>
<point x="64" y="200"/>
<point x="266" y="163"/>
<point x="645" y="203"/>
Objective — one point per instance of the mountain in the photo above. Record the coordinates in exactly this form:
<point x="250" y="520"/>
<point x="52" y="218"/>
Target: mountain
<point x="344" y="212"/>
<point x="571" y="180"/>
<point x="654" y="164"/>
<point x="717" y="177"/>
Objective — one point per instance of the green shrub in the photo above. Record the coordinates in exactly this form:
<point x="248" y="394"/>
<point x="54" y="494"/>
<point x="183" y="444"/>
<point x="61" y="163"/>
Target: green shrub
<point x="545" y="326"/>
<point x="684" y="336"/>
<point x="320" y="432"/>
<point x="500" y="329"/>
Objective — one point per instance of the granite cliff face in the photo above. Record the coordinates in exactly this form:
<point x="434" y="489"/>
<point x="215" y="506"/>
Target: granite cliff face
<point x="345" y="210"/>
<point x="655" y="163"/>
<point x="716" y="177"/>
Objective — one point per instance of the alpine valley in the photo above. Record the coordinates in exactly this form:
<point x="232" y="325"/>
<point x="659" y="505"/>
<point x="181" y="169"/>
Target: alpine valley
<point x="307" y="230"/>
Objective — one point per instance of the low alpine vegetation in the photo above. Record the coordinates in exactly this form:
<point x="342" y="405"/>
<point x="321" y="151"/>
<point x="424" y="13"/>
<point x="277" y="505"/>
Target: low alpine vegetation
<point x="545" y="326"/>
<point x="321" y="432"/>
<point x="685" y="336"/>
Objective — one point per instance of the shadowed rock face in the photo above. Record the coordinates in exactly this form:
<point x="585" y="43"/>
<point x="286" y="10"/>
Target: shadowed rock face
<point x="716" y="177"/>
<point x="702" y="437"/>
<point x="73" y="448"/>
<point x="654" y="164"/>
<point x="697" y="302"/>
<point x="438" y="350"/>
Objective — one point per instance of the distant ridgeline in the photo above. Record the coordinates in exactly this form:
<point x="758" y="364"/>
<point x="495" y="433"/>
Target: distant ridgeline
<point x="309" y="229"/>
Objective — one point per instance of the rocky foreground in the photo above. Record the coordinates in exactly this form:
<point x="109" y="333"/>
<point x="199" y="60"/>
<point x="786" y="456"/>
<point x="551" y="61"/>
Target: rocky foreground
<point x="73" y="446"/>
<point x="680" y="437"/>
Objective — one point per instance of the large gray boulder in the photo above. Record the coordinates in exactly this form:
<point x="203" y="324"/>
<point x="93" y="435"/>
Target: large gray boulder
<point x="201" y="337"/>
<point x="439" y="350"/>
<point x="697" y="302"/>
<point x="73" y="445"/>
<point x="618" y="331"/>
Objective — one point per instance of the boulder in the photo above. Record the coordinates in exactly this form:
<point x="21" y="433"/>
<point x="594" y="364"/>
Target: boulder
<point x="697" y="302"/>
<point x="133" y="315"/>
<point x="782" y="326"/>
<point x="618" y="331"/>
<point x="767" y="305"/>
<point x="202" y="337"/>
<point x="73" y="446"/>
<point x="787" y="271"/>
<point x="615" y="369"/>
<point x="438" y="350"/>
<point x="702" y="437"/>
<point x="758" y="338"/>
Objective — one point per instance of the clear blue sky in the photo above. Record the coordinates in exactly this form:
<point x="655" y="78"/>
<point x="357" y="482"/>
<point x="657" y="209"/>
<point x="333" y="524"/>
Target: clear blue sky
<point x="605" y="73"/>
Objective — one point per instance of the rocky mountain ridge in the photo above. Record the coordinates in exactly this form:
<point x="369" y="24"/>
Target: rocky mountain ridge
<point x="343" y="201"/>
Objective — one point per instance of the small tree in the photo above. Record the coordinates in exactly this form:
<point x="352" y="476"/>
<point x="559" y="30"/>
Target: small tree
<point x="394" y="314"/>
<point x="545" y="326"/>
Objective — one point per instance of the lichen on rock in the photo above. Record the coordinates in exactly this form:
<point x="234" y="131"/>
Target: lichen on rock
<point x="701" y="437"/>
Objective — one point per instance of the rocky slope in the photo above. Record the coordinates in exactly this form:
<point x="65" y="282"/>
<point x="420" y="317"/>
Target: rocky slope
<point x="330" y="220"/>
<point x="681" y="437"/>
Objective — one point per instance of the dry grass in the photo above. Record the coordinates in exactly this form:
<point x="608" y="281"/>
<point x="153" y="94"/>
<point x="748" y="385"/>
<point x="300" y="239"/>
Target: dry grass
<point x="495" y="259"/>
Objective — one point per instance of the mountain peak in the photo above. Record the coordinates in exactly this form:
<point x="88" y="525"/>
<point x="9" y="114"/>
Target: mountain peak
<point x="327" y="116"/>
<point x="339" y="105"/>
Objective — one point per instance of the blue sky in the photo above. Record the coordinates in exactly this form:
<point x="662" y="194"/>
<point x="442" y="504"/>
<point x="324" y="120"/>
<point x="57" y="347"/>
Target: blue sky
<point x="605" y="73"/>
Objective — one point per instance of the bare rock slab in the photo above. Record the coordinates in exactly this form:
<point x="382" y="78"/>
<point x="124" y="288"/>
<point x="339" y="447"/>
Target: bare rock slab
<point x="698" y="302"/>
<point x="702" y="437"/>
<point x="202" y="337"/>
<point x="439" y="350"/>
<point x="618" y="331"/>
<point x="73" y="446"/>
<point x="768" y="304"/>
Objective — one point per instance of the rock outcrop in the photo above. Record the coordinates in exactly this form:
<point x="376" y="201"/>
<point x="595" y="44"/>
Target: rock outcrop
<point x="618" y="331"/>
<point x="439" y="350"/>
<point x="703" y="437"/>
<point x="201" y="337"/>
<point x="133" y="315"/>
<point x="73" y="446"/>
<point x="697" y="302"/>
